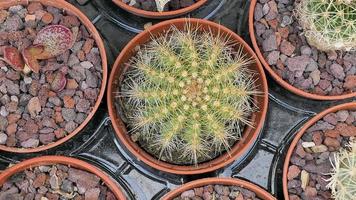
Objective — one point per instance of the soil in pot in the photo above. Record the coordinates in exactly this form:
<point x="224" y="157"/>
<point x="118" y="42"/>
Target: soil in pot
<point x="187" y="95"/>
<point x="310" y="166"/>
<point x="209" y="192"/>
<point x="285" y="48"/>
<point x="53" y="182"/>
<point x="38" y="108"/>
<point x="150" y="5"/>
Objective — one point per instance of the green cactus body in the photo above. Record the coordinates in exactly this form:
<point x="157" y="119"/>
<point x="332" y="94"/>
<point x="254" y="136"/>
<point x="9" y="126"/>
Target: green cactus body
<point x="189" y="93"/>
<point x="329" y="24"/>
<point x="343" y="178"/>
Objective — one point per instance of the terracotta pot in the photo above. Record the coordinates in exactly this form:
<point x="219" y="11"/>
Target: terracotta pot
<point x="346" y="106"/>
<point x="275" y="76"/>
<point x="51" y="160"/>
<point x="159" y="15"/>
<point x="249" y="135"/>
<point x="95" y="34"/>
<point x="261" y="193"/>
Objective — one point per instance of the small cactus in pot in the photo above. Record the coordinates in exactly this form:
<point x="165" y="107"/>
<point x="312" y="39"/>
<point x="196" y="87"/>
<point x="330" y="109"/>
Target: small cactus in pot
<point x="328" y="24"/>
<point x="343" y="178"/>
<point x="188" y="95"/>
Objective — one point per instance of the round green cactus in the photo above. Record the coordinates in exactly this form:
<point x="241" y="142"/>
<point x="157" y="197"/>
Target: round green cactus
<point x="189" y="93"/>
<point x="329" y="24"/>
<point x="343" y="178"/>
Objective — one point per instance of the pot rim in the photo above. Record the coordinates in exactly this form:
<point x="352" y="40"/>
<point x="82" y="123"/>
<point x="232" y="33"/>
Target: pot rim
<point x="261" y="193"/>
<point x="298" y="136"/>
<point x="62" y="4"/>
<point x="275" y="76"/>
<point x="239" y="148"/>
<point x="52" y="160"/>
<point x="159" y="15"/>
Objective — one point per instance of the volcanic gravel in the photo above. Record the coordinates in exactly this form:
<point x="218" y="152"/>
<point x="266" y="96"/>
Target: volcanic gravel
<point x="31" y="114"/>
<point x="56" y="182"/>
<point x="325" y="138"/>
<point x="284" y="47"/>
<point x="222" y="192"/>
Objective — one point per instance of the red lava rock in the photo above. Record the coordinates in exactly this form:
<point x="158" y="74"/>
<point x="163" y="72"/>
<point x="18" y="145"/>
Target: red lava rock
<point x="69" y="102"/>
<point x="199" y="191"/>
<point x="13" y="118"/>
<point x="70" y="21"/>
<point x="293" y="172"/>
<point x="332" y="142"/>
<point x="58" y="117"/>
<point x="293" y="197"/>
<point x="332" y="133"/>
<point x="47" y="138"/>
<point x="300" y="151"/>
<point x="350" y="82"/>
<point x="346" y="130"/>
<point x="310" y="192"/>
<point x="3" y="15"/>
<point x="11" y="129"/>
<point x="318" y="137"/>
<point x="92" y="194"/>
<point x="33" y="7"/>
<point x="88" y="45"/>
<point x="60" y="133"/>
<point x="287" y="48"/>
<point x="81" y="55"/>
<point x="83" y="179"/>
<point x="47" y="18"/>
<point x="40" y="180"/>
<point x="72" y="84"/>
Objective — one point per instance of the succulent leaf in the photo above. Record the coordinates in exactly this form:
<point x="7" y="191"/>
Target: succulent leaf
<point x="13" y="57"/>
<point x="329" y="24"/>
<point x="56" y="39"/>
<point x="59" y="81"/>
<point x="191" y="92"/>
<point x="30" y="55"/>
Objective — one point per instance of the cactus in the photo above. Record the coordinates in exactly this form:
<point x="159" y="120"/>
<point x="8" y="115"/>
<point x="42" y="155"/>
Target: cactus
<point x="189" y="92"/>
<point x="343" y="178"/>
<point x="328" y="24"/>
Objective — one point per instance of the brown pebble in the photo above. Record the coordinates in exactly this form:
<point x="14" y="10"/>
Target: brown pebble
<point x="293" y="172"/>
<point x="33" y="7"/>
<point x="47" y="18"/>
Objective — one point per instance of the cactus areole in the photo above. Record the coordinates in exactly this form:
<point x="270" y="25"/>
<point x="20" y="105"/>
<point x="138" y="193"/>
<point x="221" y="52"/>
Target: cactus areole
<point x="188" y="95"/>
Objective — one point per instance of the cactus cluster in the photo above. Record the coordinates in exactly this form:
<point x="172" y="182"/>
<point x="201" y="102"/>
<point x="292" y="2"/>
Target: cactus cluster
<point x="343" y="178"/>
<point x="328" y="24"/>
<point x="189" y="93"/>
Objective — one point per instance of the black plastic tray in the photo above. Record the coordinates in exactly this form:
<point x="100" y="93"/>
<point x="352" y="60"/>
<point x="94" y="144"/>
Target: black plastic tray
<point x="98" y="143"/>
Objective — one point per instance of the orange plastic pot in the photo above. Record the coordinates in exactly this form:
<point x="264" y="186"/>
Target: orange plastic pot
<point x="275" y="76"/>
<point x="249" y="134"/>
<point x="72" y="162"/>
<point x="159" y="15"/>
<point x="61" y="4"/>
<point x="346" y="106"/>
<point x="260" y="193"/>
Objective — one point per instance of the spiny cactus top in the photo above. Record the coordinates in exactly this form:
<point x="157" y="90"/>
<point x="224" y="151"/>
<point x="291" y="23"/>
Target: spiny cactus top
<point x="343" y="177"/>
<point x="329" y="24"/>
<point x="188" y="94"/>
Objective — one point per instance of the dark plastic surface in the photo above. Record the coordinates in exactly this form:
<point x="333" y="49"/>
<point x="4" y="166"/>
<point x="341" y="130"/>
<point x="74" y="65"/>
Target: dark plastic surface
<point x="98" y="144"/>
